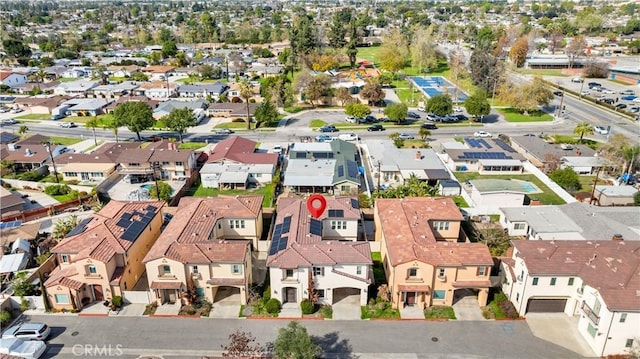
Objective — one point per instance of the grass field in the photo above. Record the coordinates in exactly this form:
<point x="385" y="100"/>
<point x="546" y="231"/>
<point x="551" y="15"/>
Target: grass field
<point x="234" y="125"/>
<point x="547" y="196"/>
<point x="439" y="312"/>
<point x="34" y="116"/>
<point x="368" y="53"/>
<point x="191" y="145"/>
<point x="266" y="191"/>
<point x="587" y="183"/>
<point x="513" y="115"/>
<point x="66" y="141"/>
<point x="317" y="123"/>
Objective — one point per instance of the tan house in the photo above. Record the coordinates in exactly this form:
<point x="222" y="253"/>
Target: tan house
<point x="206" y="247"/>
<point x="162" y="159"/>
<point x="424" y="259"/>
<point x="83" y="167"/>
<point x="102" y="256"/>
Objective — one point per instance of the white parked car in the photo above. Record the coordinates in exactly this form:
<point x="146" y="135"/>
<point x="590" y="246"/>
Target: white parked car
<point x="405" y="136"/>
<point x="601" y="130"/>
<point x="457" y="109"/>
<point x="352" y="119"/>
<point x="28" y="331"/>
<point x="348" y="137"/>
<point x="585" y="93"/>
<point x="482" y="134"/>
<point x="277" y="149"/>
<point x="577" y="79"/>
<point x="68" y="125"/>
<point x="607" y="91"/>
<point x="30" y="349"/>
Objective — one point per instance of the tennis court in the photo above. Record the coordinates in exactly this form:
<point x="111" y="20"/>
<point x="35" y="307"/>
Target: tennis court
<point x="435" y="85"/>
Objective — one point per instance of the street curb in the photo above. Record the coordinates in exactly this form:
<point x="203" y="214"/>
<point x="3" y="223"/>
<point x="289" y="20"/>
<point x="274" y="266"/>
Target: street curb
<point x="92" y="315"/>
<point x="174" y="316"/>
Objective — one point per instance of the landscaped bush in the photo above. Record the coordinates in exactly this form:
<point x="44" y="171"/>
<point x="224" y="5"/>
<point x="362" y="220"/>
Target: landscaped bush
<point x="508" y="310"/>
<point x="238" y="119"/>
<point x="117" y="301"/>
<point x="307" y="306"/>
<point x="267" y="293"/>
<point x="5" y="316"/>
<point x="273" y="306"/>
<point x="57" y="190"/>
<point x="30" y="176"/>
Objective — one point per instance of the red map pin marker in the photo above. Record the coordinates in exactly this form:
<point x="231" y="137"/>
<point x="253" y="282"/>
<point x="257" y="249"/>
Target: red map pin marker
<point x="316" y="205"/>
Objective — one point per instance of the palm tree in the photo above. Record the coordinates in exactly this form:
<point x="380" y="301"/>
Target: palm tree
<point x="424" y="133"/>
<point x="583" y="128"/>
<point x="246" y="92"/>
<point x="630" y="154"/>
<point x="23" y="130"/>
<point x="92" y="123"/>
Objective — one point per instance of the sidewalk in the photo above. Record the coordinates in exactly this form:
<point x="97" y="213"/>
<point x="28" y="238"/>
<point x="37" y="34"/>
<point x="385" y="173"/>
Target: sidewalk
<point x="83" y="145"/>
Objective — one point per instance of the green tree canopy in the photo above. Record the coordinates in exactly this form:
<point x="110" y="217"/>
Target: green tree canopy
<point x="293" y="342"/>
<point x="169" y="49"/>
<point x="566" y="178"/>
<point x="396" y="112"/>
<point x="583" y="128"/>
<point x="357" y="109"/>
<point x="372" y="91"/>
<point x="179" y="119"/>
<point x="394" y="52"/>
<point x="136" y="115"/>
<point x="266" y="113"/>
<point x="165" y="191"/>
<point x="477" y="104"/>
<point x="440" y="105"/>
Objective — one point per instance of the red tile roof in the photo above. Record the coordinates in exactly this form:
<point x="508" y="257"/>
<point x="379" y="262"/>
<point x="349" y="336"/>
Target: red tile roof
<point x="240" y="150"/>
<point x="186" y="237"/>
<point x="611" y="267"/>
<point x="406" y="226"/>
<point x="165" y="285"/>
<point x="60" y="276"/>
<point x="226" y="281"/>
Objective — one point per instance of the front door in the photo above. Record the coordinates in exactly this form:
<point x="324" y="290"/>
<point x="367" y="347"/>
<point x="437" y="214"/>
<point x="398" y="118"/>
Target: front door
<point x="411" y="298"/>
<point x="97" y="293"/>
<point x="290" y="295"/>
<point x="84" y="176"/>
<point x="172" y="296"/>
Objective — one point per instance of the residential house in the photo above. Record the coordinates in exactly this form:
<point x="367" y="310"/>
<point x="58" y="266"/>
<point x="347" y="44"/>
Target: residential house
<point x="77" y="72"/>
<point x="156" y="89"/>
<point x="425" y="258"/>
<point x="392" y="166"/>
<point x="14" y="231"/>
<point x="325" y="167"/>
<point x="122" y="71"/>
<point x="10" y="202"/>
<point x="116" y="90"/>
<point x="87" y="106"/>
<point x="29" y="154"/>
<point x="41" y="105"/>
<point x="102" y="257"/>
<point x="236" y="110"/>
<point x="234" y="95"/>
<point x="264" y="70"/>
<point x="84" y="167"/>
<point x="164" y="108"/>
<point x="11" y="78"/>
<point x="615" y="195"/>
<point x="207" y="247"/>
<point x="573" y="221"/>
<point x="8" y="137"/>
<point x="75" y="88"/>
<point x="42" y="87"/>
<point x="586" y="166"/>
<point x="203" y="90"/>
<point x="160" y="159"/>
<point x="234" y="163"/>
<point x="158" y="72"/>
<point x="595" y="282"/>
<point x="322" y="254"/>
<point x="547" y="156"/>
<point x="485" y="156"/>
<point x="494" y="192"/>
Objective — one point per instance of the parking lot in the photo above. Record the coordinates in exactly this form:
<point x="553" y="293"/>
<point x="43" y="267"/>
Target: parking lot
<point x="604" y="90"/>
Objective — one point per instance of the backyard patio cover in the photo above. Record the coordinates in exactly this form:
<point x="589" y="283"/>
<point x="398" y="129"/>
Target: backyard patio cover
<point x="10" y="263"/>
<point x="166" y="285"/>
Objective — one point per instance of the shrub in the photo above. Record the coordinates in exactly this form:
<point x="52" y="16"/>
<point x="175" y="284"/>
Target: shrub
<point x="57" y="190"/>
<point x="117" y="301"/>
<point x="508" y="310"/>
<point x="238" y="119"/>
<point x="273" y="306"/>
<point x="24" y="304"/>
<point x="307" y="307"/>
<point x="5" y="316"/>
<point x="30" y="176"/>
<point x="500" y="297"/>
<point x="267" y="293"/>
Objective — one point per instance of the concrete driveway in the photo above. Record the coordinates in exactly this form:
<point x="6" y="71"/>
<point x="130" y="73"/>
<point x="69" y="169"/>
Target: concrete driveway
<point x="559" y="329"/>
<point x="227" y="304"/>
<point x="347" y="308"/>
<point x="467" y="308"/>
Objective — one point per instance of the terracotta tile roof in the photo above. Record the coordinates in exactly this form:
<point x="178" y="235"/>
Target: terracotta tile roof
<point x="612" y="267"/>
<point x="60" y="276"/>
<point x="158" y="69"/>
<point x="406" y="226"/>
<point x="101" y="238"/>
<point x="241" y="150"/>
<point x="165" y="285"/>
<point x="226" y="281"/>
<point x="305" y="249"/>
<point x="116" y="276"/>
<point x="186" y="237"/>
<point x="157" y="85"/>
<point x="70" y="158"/>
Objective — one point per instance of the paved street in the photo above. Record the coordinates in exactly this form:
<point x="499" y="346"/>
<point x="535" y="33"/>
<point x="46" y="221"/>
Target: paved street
<point x="193" y="338"/>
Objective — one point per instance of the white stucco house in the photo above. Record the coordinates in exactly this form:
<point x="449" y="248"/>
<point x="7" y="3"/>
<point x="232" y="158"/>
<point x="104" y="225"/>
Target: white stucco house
<point x="494" y="193"/>
<point x="12" y="79"/>
<point x="594" y="281"/>
<point x="321" y="253"/>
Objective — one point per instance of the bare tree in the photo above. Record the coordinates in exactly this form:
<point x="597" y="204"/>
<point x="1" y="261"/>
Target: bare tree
<point x="242" y="345"/>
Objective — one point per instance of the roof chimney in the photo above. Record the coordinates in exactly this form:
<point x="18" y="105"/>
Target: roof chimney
<point x="617" y="237"/>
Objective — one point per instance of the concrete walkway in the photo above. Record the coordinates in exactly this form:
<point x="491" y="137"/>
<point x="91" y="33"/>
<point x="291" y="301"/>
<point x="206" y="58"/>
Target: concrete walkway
<point x="290" y="310"/>
<point x="169" y="309"/>
<point x="82" y="146"/>
<point x="411" y="312"/>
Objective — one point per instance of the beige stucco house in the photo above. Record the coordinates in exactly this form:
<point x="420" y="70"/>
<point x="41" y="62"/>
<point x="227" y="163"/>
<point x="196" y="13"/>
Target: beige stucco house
<point x="424" y="258"/>
<point x="102" y="256"/>
<point x="206" y="247"/>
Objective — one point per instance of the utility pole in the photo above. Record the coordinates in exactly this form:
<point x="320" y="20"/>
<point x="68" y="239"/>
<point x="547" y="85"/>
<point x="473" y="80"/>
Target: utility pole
<point x="379" y="174"/>
<point x="47" y="144"/>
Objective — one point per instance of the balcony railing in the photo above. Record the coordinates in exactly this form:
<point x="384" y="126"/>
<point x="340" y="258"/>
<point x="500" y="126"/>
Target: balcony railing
<point x="589" y="312"/>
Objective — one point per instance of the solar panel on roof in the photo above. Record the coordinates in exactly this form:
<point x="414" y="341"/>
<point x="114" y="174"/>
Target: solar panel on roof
<point x="336" y="213"/>
<point x="504" y="145"/>
<point x="286" y="224"/>
<point x="273" y="249"/>
<point x="12" y="224"/>
<point x="123" y="222"/>
<point x="352" y="169"/>
<point x="282" y="244"/>
<point x="278" y="229"/>
<point x="79" y="228"/>
<point x="126" y="216"/>
<point x="340" y="171"/>
<point x="483" y="142"/>
<point x="316" y="227"/>
<point x="151" y="208"/>
<point x="354" y="203"/>
<point x="133" y="232"/>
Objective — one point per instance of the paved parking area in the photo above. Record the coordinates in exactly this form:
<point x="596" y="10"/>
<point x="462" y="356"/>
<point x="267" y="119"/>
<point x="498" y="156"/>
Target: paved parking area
<point x="559" y="329"/>
<point x="226" y="305"/>
<point x="347" y="308"/>
<point x="467" y="308"/>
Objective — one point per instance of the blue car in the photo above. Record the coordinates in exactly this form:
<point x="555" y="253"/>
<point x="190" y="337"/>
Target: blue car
<point x="629" y="97"/>
<point x="324" y="138"/>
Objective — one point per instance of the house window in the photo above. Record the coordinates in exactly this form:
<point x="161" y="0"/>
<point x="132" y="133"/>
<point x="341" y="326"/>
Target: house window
<point x="338" y="224"/>
<point x="596" y="307"/>
<point x="318" y="271"/>
<point x="71" y="174"/>
<point x="179" y="163"/>
<point x="195" y="269"/>
<point x="236" y="269"/>
<point x="64" y="258"/>
<point x="92" y="269"/>
<point x="570" y="281"/>
<point x="236" y="223"/>
<point x="482" y="271"/>
<point x="288" y="273"/>
<point x="441" y="225"/>
<point x="623" y="317"/>
<point x="439" y="294"/>
<point x="345" y="188"/>
<point x="441" y="272"/>
<point x="320" y="293"/>
<point x="166" y="270"/>
<point x="592" y="330"/>
<point x="535" y="280"/>
<point x="412" y="272"/>
<point x="96" y="174"/>
<point x="629" y="343"/>
<point x="553" y="281"/>
<point x="134" y="164"/>
<point x="518" y="226"/>
<point x="517" y="297"/>
<point x="62" y="299"/>
<point x="165" y="163"/>
<point x="359" y="270"/>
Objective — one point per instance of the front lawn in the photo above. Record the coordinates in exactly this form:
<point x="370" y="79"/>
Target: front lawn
<point x="513" y="115"/>
<point x="379" y="310"/>
<point x="191" y="145"/>
<point x="34" y="116"/>
<point x="66" y="141"/>
<point x="439" y="312"/>
<point x="235" y="125"/>
<point x="266" y="191"/>
<point x="460" y="202"/>
<point x="547" y="197"/>
<point x="573" y="140"/>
